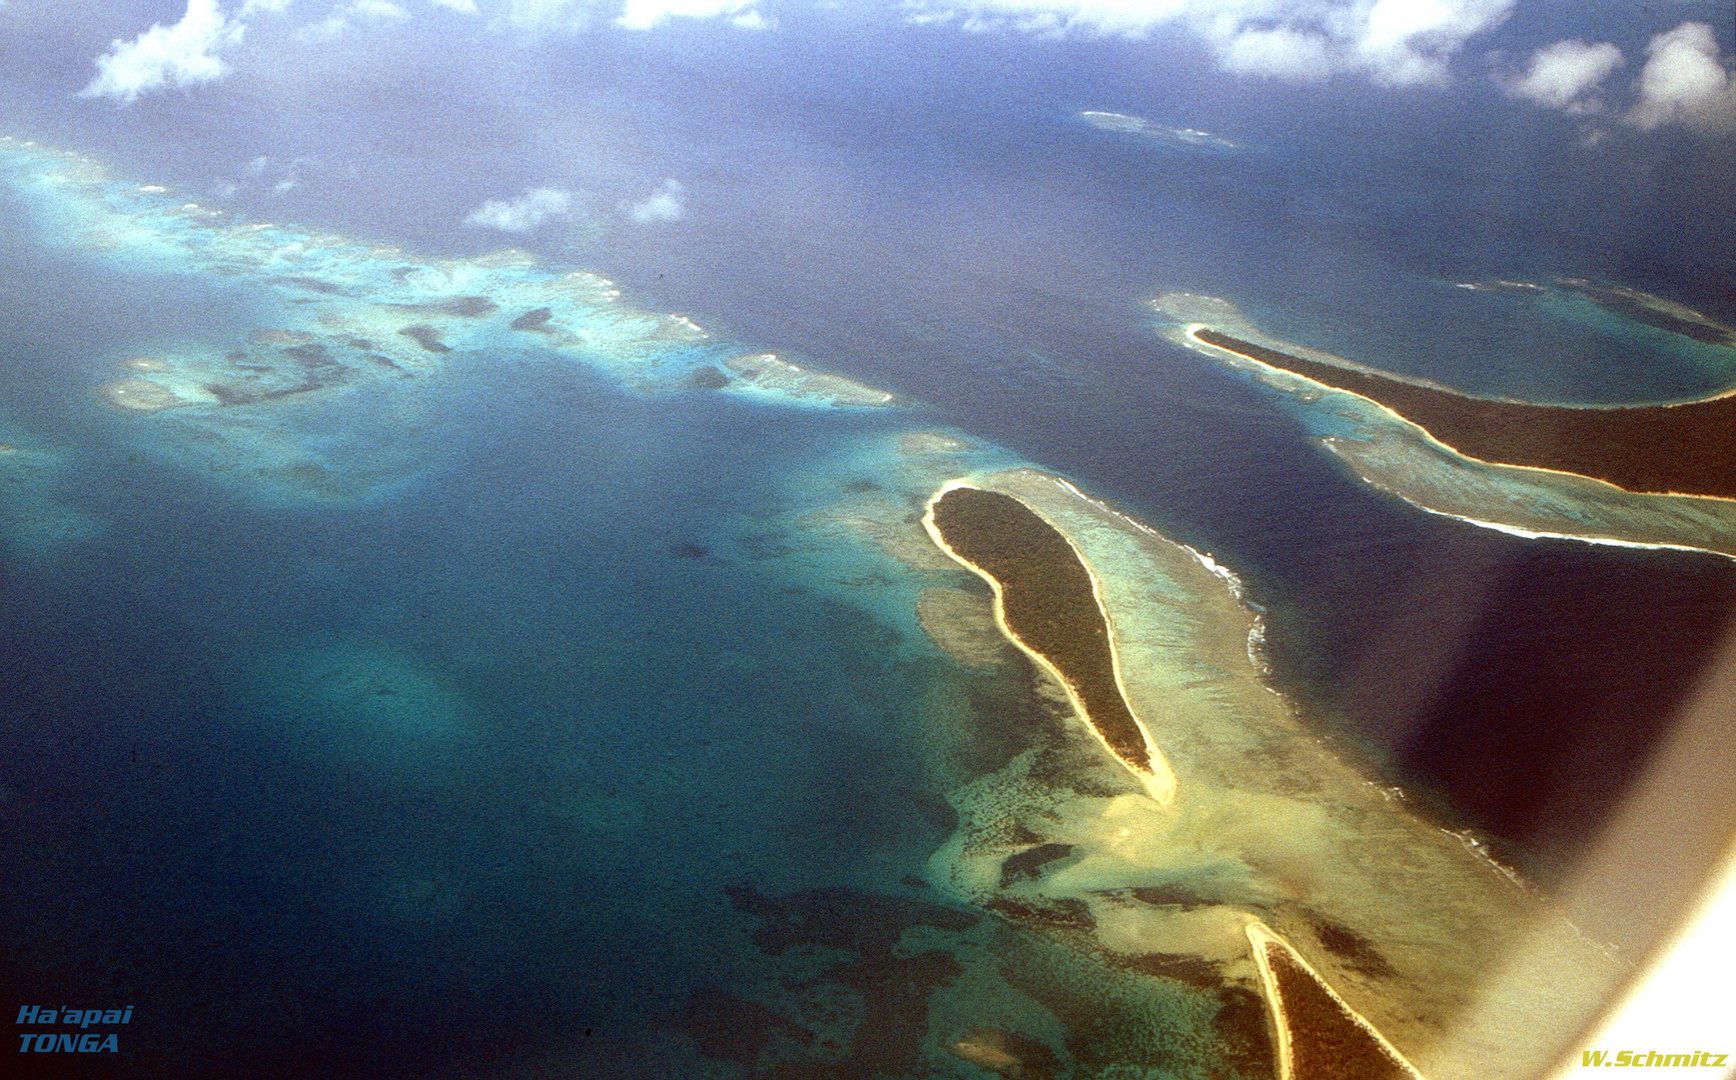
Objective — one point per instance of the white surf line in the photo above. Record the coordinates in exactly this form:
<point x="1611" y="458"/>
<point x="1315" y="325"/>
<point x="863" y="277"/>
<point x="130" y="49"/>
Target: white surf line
<point x="1531" y="534"/>
<point x="1238" y="589"/>
<point x="1512" y="530"/>
<point x="1207" y="347"/>
<point x="1159" y="781"/>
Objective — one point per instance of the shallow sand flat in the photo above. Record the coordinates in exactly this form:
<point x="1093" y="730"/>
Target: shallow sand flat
<point x="1046" y="603"/>
<point x="764" y="373"/>
<point x="1402" y="919"/>
<point x="963" y="624"/>
<point x="1653" y="310"/>
<point x="1532" y="502"/>
<point x="1139" y="126"/>
<point x="359" y="335"/>
<point x="1390" y="452"/>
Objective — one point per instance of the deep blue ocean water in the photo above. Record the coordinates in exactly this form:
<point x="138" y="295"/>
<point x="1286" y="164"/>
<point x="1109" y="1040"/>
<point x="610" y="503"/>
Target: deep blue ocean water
<point x="624" y="705"/>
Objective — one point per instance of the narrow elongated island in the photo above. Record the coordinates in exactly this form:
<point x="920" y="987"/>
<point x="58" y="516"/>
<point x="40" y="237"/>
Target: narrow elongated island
<point x="1659" y="475"/>
<point x="1687" y="448"/>
<point x="1046" y="602"/>
<point x="1332" y="933"/>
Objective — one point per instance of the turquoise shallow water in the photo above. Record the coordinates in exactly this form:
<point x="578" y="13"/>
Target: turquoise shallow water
<point x="464" y="711"/>
<point x="532" y="681"/>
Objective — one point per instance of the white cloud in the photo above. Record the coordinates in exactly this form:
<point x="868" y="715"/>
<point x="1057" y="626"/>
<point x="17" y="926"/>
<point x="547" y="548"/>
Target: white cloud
<point x="266" y="174"/>
<point x="644" y="14"/>
<point x="664" y="204"/>
<point x="383" y="10"/>
<point x="248" y="7"/>
<point x="1394" y="42"/>
<point x="1684" y="83"/>
<point x="180" y="56"/>
<point x="1296" y="55"/>
<point x="342" y="18"/>
<point x="1407" y="42"/>
<point x="468" y="7"/>
<point x="525" y="213"/>
<point x="571" y="15"/>
<point x="1563" y="75"/>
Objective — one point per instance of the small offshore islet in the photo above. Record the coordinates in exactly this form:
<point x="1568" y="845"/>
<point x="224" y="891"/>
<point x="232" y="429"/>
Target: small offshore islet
<point x="1141" y="128"/>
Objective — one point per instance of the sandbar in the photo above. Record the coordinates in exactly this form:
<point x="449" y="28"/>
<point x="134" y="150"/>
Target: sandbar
<point x="1047" y="603"/>
<point x="142" y="395"/>
<point x="766" y="372"/>
<point x="1124" y="124"/>
<point x="1685" y="448"/>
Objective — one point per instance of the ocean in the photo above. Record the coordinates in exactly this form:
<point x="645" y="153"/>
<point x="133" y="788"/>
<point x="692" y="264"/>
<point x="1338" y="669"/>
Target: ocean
<point x="496" y="766"/>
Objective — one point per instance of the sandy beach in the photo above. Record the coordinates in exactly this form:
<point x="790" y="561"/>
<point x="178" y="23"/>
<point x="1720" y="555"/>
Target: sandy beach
<point x="1084" y="679"/>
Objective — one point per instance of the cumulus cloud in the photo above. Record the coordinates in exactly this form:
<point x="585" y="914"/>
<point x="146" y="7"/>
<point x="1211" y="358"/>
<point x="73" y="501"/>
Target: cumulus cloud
<point x="1684" y="83"/>
<point x="1394" y="42"/>
<point x="179" y="56"/>
<point x="644" y="14"/>
<point x="1565" y="74"/>
<point x="265" y="174"/>
<point x="1294" y="55"/>
<point x="571" y="15"/>
<point x="664" y="204"/>
<point x="342" y="18"/>
<point x="525" y="213"/>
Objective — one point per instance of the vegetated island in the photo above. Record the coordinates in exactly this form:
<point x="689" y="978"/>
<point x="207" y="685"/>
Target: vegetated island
<point x="1319" y="1037"/>
<point x="1266" y="831"/>
<point x="1686" y="448"/>
<point x="1046" y="602"/>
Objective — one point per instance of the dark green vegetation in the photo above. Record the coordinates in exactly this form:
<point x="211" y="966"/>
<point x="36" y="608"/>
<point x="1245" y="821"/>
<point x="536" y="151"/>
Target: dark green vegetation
<point x="1047" y="601"/>
<point x="1325" y="1043"/>
<point x="1686" y="449"/>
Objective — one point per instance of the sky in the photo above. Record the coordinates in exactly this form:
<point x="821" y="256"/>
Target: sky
<point x="1679" y="77"/>
<point x="560" y="123"/>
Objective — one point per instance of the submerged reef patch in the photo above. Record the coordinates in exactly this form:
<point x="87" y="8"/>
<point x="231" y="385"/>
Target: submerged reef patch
<point x="1266" y="827"/>
<point x="326" y="399"/>
<point x="37" y="521"/>
<point x="1006" y="1054"/>
<point x="366" y="707"/>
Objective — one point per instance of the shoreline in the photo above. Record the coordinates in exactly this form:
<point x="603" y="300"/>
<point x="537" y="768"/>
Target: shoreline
<point x="1272" y="828"/>
<point x="1500" y="416"/>
<point x="1264" y="943"/>
<point x="1158" y="778"/>
<point x="1536" y="534"/>
<point x="1402" y="455"/>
